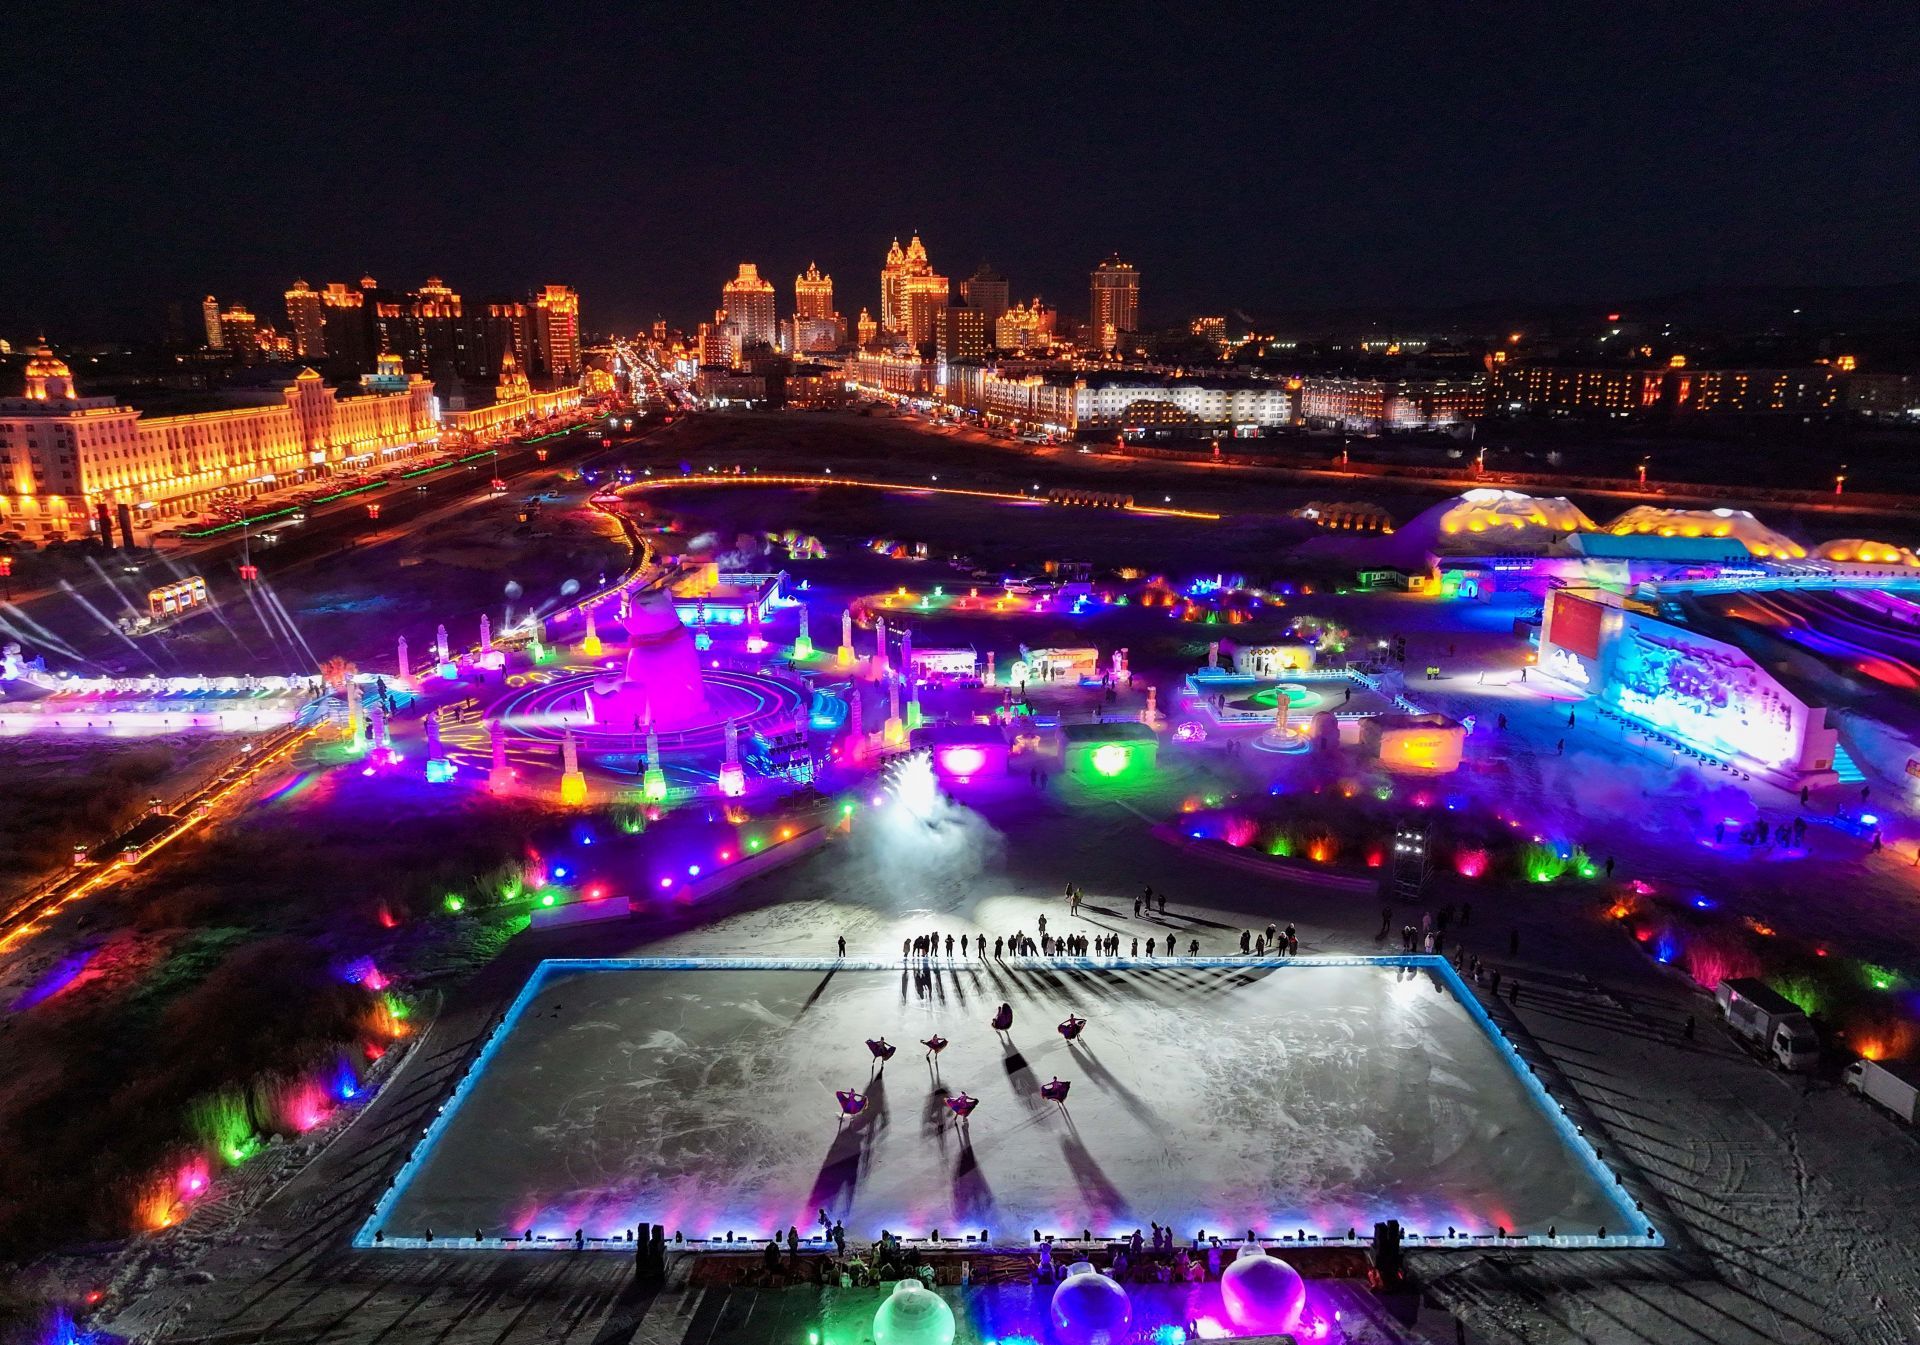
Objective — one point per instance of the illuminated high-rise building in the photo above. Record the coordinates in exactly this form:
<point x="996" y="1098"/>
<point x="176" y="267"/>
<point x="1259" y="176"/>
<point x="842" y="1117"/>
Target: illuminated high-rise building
<point x="749" y="303"/>
<point x="866" y="329"/>
<point x="926" y="301"/>
<point x="1114" y="301"/>
<point x="813" y="294"/>
<point x="210" y="316"/>
<point x="347" y="332"/>
<point x="903" y="267"/>
<point x="439" y="318"/>
<point x="963" y="333"/>
<point x="556" y="322"/>
<point x="986" y="290"/>
<point x="720" y="340"/>
<point x="307" y="315"/>
<point x="239" y="332"/>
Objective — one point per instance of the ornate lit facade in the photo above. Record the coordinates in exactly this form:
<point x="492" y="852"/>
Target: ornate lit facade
<point x="813" y="294"/>
<point x="749" y="303"/>
<point x="516" y="406"/>
<point x="891" y="375"/>
<point x="63" y="455"/>
<point x="910" y="293"/>
<point x="1025" y="327"/>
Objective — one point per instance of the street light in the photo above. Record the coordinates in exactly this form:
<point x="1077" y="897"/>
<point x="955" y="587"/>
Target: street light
<point x="1840" y="480"/>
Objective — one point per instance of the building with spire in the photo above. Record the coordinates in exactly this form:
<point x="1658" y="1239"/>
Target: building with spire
<point x="517" y="406"/>
<point x="815" y="326"/>
<point x="813" y="294"/>
<point x="911" y="294"/>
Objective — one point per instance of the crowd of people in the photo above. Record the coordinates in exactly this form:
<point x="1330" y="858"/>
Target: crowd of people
<point x="1141" y="1260"/>
<point x="1043" y="943"/>
<point x="881" y="1262"/>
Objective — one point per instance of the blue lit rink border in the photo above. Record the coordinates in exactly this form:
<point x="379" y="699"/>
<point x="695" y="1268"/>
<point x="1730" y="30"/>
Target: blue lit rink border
<point x="1571" y="1138"/>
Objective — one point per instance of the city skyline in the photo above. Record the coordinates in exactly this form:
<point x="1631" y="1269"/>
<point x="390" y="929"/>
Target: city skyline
<point x="1384" y="177"/>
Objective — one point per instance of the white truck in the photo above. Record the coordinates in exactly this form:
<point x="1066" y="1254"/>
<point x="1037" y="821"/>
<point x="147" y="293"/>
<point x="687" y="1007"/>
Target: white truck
<point x="1769" y="1023"/>
<point x="1894" y="1086"/>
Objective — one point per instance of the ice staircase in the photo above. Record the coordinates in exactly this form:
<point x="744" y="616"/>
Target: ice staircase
<point x="1845" y="768"/>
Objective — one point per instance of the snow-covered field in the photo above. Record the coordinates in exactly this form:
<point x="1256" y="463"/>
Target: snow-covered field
<point x="1208" y="1097"/>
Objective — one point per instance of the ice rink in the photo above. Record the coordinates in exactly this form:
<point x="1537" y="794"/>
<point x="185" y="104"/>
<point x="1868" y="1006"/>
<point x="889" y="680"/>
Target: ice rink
<point x="1272" y="1097"/>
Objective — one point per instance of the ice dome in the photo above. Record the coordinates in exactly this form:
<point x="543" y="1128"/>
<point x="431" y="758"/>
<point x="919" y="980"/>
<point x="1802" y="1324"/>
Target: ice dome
<point x="1499" y="511"/>
<point x="1738" y="524"/>
<point x="1263" y="1294"/>
<point x="1859" y="551"/>
<point x="1484" y="518"/>
<point x="913" y="1315"/>
<point x="1089" y="1308"/>
<point x="1478" y="521"/>
<point x="661" y="678"/>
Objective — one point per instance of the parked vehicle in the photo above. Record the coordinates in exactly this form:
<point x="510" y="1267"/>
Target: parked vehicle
<point x="1769" y="1022"/>
<point x="1895" y="1085"/>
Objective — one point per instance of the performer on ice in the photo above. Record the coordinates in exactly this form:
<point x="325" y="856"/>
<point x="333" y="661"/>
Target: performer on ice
<point x="882" y="1051"/>
<point x="934" y="1044"/>
<point x="961" y="1105"/>
<point x="1003" y="1017"/>
<point x="1055" y="1090"/>
<point x="1073" y="1027"/>
<point x="851" y="1103"/>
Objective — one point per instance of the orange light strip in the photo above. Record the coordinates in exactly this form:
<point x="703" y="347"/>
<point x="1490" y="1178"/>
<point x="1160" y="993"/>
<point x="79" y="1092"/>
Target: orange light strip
<point x="799" y="480"/>
<point x="103" y="875"/>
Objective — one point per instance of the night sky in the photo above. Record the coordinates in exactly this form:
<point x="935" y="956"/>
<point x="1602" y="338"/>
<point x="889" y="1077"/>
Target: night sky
<point x="1367" y="155"/>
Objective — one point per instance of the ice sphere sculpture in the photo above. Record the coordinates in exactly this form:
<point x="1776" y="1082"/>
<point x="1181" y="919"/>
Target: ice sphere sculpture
<point x="1263" y="1294"/>
<point x="1089" y="1308"/>
<point x="913" y="1315"/>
